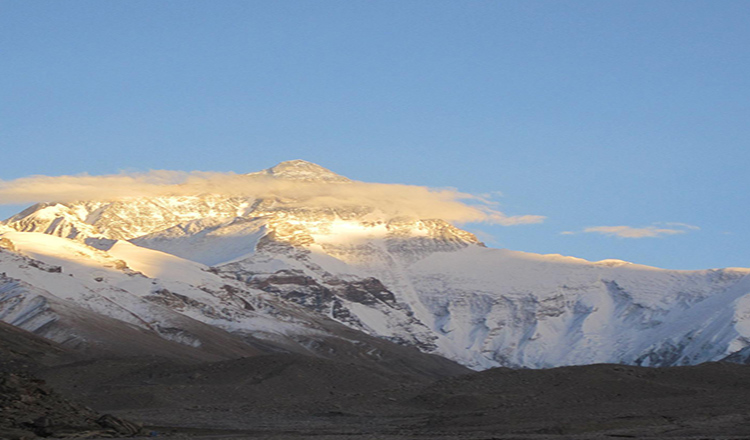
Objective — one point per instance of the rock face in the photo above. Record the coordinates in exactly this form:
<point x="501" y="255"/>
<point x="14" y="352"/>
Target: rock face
<point x="417" y="282"/>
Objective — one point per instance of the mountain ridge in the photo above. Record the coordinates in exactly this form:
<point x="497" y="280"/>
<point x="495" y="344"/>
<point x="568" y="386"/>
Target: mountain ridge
<point x="424" y="282"/>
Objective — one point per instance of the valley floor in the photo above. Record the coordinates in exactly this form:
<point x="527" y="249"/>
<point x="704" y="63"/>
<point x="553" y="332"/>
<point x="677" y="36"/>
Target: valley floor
<point x="294" y="397"/>
<point x="291" y="397"/>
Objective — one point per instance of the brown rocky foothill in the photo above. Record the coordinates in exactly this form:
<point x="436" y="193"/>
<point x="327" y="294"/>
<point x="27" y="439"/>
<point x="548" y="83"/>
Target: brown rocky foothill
<point x="30" y="409"/>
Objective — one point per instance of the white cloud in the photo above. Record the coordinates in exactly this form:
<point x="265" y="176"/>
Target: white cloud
<point x="655" y="230"/>
<point x="423" y="202"/>
<point x="679" y="225"/>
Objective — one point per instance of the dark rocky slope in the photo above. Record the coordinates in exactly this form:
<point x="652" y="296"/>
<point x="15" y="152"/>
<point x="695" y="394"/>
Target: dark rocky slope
<point x="291" y="396"/>
<point x="29" y="408"/>
<point x="296" y="397"/>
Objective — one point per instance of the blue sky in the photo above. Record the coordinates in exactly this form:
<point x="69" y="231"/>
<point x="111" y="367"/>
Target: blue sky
<point x="593" y="114"/>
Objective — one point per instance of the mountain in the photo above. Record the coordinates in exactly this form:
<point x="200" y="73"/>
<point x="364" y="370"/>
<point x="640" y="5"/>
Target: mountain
<point x="302" y="171"/>
<point x="418" y="282"/>
<point x="132" y="301"/>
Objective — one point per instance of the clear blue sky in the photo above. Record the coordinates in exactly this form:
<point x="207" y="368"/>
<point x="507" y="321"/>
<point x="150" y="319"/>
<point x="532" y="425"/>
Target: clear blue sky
<point x="592" y="113"/>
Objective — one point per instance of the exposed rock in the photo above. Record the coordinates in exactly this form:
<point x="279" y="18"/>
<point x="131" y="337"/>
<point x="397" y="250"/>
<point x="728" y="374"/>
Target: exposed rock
<point x="5" y="243"/>
<point x="29" y="408"/>
<point x="120" y="426"/>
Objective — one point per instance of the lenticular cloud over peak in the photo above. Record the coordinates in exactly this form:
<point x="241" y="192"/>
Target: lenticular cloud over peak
<point x="293" y="182"/>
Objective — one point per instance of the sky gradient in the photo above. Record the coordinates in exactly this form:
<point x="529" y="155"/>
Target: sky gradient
<point x="624" y="123"/>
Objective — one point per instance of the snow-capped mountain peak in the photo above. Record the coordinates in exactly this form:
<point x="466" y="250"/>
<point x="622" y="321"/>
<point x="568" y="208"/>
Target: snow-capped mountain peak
<point x="414" y="280"/>
<point x="302" y="170"/>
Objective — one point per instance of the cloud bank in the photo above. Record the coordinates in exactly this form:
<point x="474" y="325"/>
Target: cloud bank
<point x="395" y="199"/>
<point x="655" y="230"/>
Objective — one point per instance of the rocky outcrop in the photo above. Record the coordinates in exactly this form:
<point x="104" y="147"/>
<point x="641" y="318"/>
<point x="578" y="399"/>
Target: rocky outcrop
<point x="30" y="408"/>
